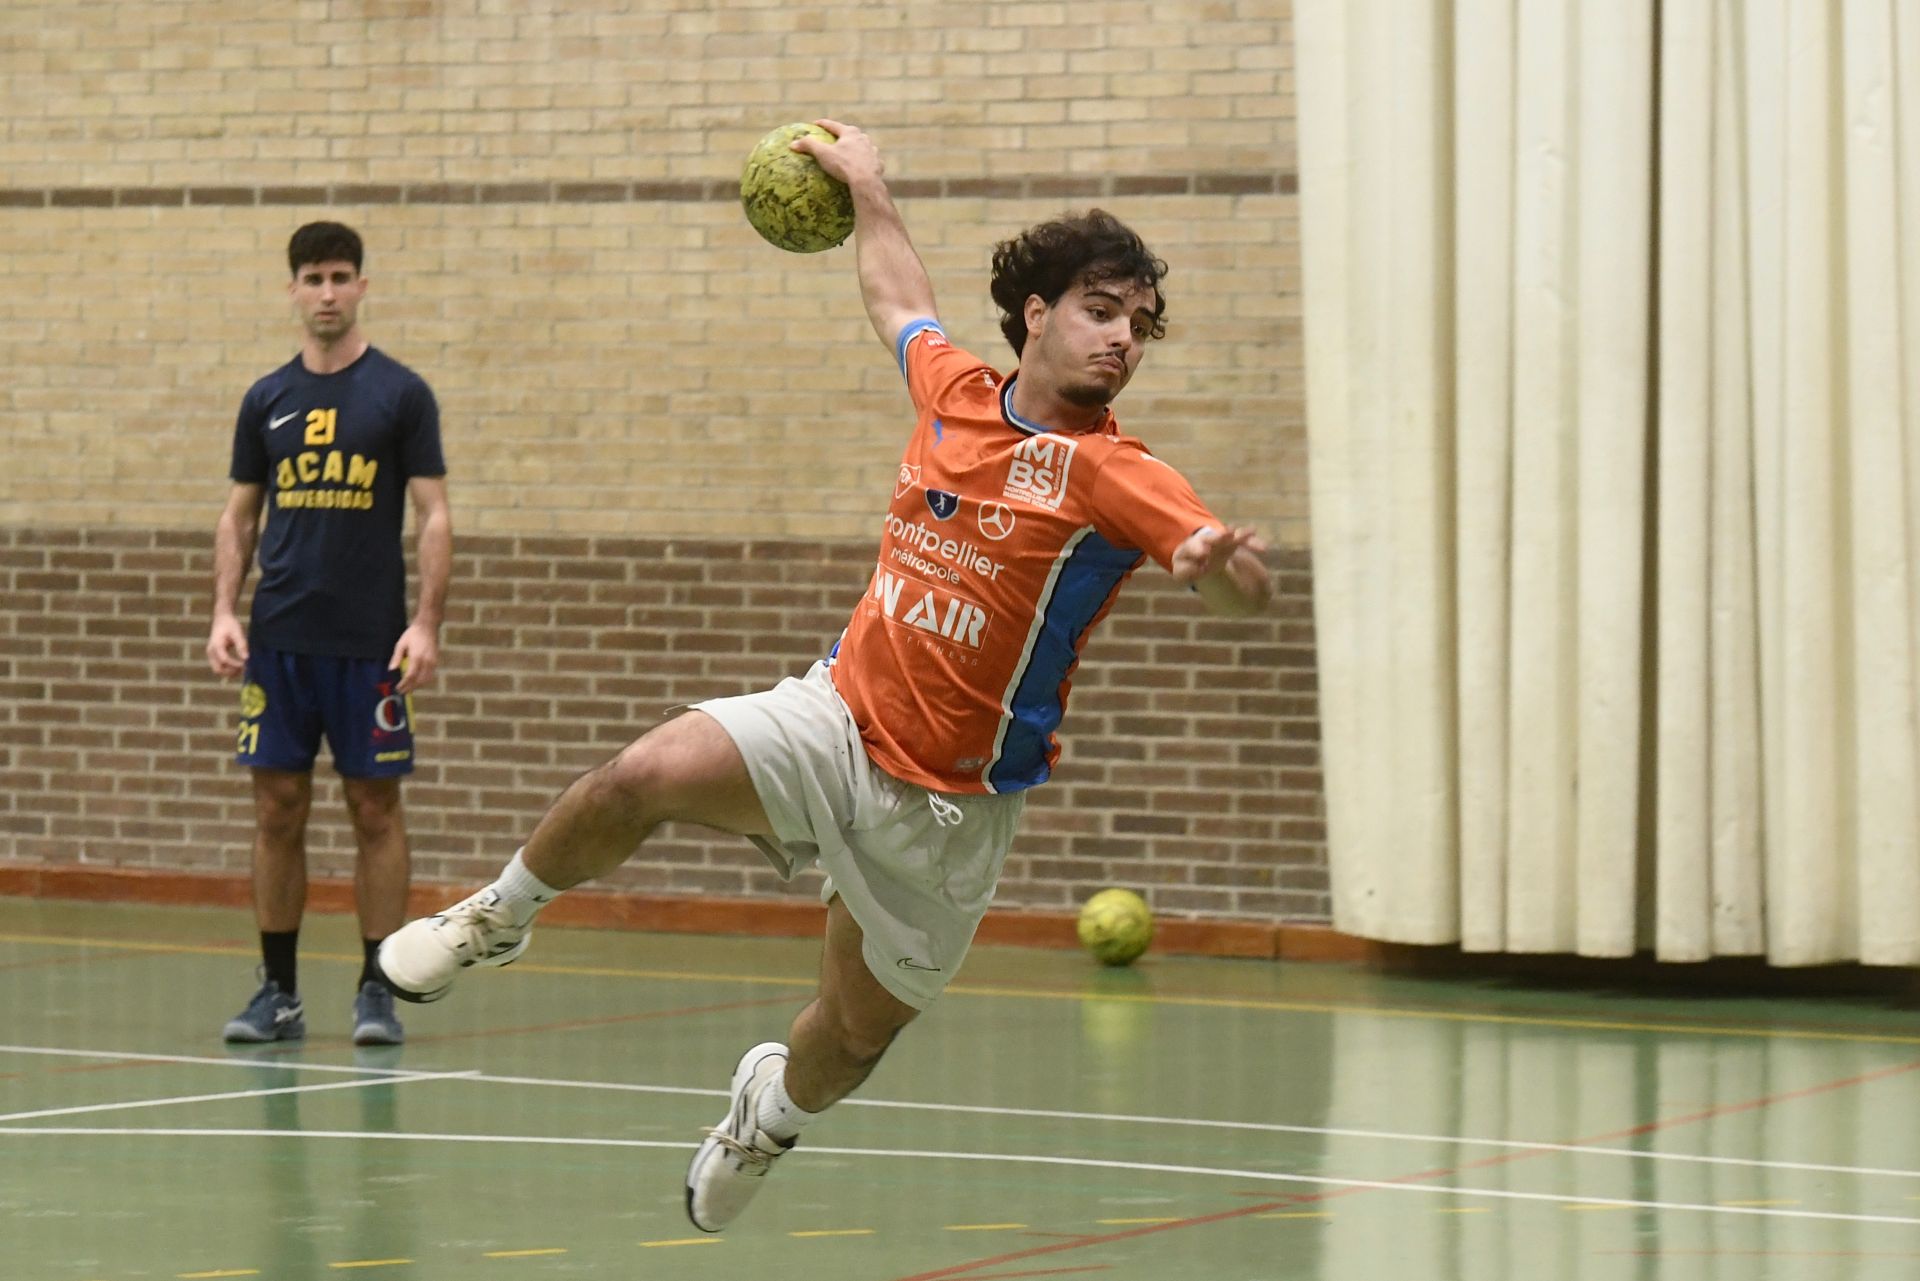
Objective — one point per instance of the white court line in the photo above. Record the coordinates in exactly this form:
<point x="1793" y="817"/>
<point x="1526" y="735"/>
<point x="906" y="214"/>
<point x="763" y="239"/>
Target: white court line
<point x="1258" y="1127"/>
<point x="127" y="1104"/>
<point x="1262" y="1176"/>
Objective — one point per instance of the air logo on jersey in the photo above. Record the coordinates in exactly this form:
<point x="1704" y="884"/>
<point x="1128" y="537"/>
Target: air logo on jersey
<point x="1038" y="473"/>
<point x="942" y="503"/>
<point x="936" y="610"/>
<point x="909" y="477"/>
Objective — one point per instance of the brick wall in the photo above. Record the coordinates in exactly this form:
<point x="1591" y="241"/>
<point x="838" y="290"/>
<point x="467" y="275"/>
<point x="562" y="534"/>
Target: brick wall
<point x="1191" y="760"/>
<point x="627" y="377"/>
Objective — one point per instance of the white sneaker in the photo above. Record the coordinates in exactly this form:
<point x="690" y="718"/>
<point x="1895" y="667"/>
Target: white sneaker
<point x="419" y="960"/>
<point x="728" y="1168"/>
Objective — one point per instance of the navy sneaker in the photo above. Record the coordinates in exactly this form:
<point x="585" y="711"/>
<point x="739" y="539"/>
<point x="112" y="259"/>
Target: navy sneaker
<point x="272" y="1015"/>
<point x="374" y="1022"/>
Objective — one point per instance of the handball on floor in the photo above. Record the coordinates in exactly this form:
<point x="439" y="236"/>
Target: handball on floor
<point x="1116" y="926"/>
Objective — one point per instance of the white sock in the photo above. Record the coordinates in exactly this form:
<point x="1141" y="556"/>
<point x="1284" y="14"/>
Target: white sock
<point x="523" y="893"/>
<point x="779" y="1116"/>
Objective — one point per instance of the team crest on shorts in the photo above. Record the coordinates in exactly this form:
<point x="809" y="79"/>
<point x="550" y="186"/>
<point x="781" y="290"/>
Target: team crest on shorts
<point x="253" y="700"/>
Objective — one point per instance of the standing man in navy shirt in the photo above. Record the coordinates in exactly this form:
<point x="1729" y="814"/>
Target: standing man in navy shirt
<point x="329" y="446"/>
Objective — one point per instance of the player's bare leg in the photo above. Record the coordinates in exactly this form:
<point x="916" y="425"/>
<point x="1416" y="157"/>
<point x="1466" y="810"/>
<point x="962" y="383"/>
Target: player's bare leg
<point x="380" y="878"/>
<point x="777" y="1089"/>
<point x="282" y="800"/>
<point x="384" y="868"/>
<point x="838" y="1039"/>
<point x="687" y="769"/>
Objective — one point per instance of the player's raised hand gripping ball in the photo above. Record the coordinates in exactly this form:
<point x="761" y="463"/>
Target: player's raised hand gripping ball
<point x="789" y="199"/>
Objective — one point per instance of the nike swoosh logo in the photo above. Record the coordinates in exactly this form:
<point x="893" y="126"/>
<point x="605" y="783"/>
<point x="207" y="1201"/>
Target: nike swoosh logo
<point x="907" y="963"/>
<point x="282" y="419"/>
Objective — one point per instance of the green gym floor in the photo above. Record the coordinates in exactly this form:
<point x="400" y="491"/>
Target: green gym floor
<point x="1188" y="1118"/>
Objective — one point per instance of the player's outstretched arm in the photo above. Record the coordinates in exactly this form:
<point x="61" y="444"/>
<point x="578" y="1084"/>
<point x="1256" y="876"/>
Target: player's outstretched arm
<point x="1224" y="566"/>
<point x="893" y="282"/>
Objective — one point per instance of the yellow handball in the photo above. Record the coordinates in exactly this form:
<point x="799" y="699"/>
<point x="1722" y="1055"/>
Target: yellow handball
<point x="791" y="201"/>
<point x="1116" y="926"/>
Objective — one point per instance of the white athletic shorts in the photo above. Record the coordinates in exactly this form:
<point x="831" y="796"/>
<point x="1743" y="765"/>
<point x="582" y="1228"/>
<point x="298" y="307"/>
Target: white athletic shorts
<point x="916" y="868"/>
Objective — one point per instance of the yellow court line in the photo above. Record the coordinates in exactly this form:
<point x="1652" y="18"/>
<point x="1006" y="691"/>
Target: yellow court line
<point x="835" y="1232"/>
<point x="370" y="1263"/>
<point x="228" y="1272"/>
<point x="523" y="1254"/>
<point x="682" y="1241"/>
<point x="988" y="1227"/>
<point x="124" y="945"/>
<point x="1172" y="1002"/>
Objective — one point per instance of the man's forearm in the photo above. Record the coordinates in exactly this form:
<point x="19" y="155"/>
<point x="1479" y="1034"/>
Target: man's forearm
<point x="893" y="280"/>
<point x="232" y="554"/>
<point x="436" y="568"/>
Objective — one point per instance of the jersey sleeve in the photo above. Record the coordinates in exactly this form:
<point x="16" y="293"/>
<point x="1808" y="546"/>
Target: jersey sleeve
<point x="420" y="453"/>
<point x="930" y="362"/>
<point x="1141" y="502"/>
<point x="250" y="464"/>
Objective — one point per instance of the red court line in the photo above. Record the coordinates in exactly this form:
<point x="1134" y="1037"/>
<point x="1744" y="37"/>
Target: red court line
<point x="1042" y="1272"/>
<point x="1335" y="1194"/>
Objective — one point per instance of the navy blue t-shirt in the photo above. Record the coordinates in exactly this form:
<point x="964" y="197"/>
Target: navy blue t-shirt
<point x="335" y="452"/>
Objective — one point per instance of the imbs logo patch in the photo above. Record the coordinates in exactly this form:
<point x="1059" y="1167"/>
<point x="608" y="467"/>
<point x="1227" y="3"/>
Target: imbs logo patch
<point x="1038" y="473"/>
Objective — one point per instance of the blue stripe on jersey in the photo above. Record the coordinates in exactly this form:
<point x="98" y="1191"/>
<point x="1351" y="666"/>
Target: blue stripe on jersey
<point x="908" y="333"/>
<point x="1086" y="582"/>
<point x="1006" y="409"/>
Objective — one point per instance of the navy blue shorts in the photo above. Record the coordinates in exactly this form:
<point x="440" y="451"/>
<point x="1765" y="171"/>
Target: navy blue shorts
<point x="288" y="700"/>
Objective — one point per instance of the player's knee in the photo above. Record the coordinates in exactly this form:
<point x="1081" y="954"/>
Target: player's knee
<point x="642" y="781"/>
<point x="373" y="812"/>
<point x="281" y="809"/>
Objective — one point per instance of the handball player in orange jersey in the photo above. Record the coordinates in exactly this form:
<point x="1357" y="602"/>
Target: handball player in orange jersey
<point x="900" y="761"/>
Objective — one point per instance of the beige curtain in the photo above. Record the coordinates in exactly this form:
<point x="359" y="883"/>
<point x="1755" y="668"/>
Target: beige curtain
<point x="1613" y="380"/>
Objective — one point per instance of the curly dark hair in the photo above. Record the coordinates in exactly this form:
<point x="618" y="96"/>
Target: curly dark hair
<point x="1073" y="249"/>
<point x="323" y="242"/>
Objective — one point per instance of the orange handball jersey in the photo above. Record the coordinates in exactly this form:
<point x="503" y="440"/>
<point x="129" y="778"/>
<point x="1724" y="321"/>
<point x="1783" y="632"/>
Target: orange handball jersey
<point x="1005" y="543"/>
